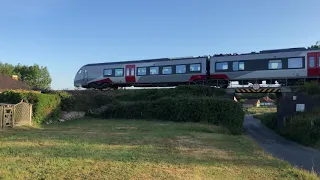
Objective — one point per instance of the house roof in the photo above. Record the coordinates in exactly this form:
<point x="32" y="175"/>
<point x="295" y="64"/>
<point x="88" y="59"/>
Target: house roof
<point x="251" y="101"/>
<point x="7" y="83"/>
<point x="266" y="100"/>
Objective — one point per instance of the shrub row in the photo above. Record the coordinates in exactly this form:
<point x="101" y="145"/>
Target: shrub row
<point x="191" y="109"/>
<point x="303" y="128"/>
<point x="45" y="106"/>
<point x="85" y="100"/>
<point x="310" y="88"/>
<point x="268" y="119"/>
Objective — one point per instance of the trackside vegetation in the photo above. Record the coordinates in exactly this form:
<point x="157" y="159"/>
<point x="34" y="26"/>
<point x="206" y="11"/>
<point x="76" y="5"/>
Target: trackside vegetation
<point x="181" y="104"/>
<point x="181" y="109"/>
<point x="136" y="149"/>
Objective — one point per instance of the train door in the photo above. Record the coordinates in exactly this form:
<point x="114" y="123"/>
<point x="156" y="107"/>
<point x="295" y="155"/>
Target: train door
<point x="313" y="64"/>
<point x="85" y="75"/>
<point x="318" y="62"/>
<point x="130" y="73"/>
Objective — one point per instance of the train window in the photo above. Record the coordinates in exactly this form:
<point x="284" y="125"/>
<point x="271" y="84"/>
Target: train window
<point x="275" y="64"/>
<point x="142" y="71"/>
<point x="80" y="71"/>
<point x="295" y="63"/>
<point x="319" y="61"/>
<point x="235" y="66"/>
<point x="241" y="66"/>
<point x="132" y="71"/>
<point x="118" y="72"/>
<point x="154" y="70"/>
<point x="222" y="66"/>
<point x="167" y="70"/>
<point x="195" y="67"/>
<point x="311" y="62"/>
<point x="180" y="69"/>
<point x="107" y="72"/>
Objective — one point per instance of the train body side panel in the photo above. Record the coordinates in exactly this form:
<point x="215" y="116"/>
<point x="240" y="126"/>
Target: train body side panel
<point x="257" y="66"/>
<point x="95" y="73"/>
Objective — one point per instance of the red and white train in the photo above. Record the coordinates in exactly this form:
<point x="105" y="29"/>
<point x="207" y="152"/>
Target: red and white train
<point x="286" y="66"/>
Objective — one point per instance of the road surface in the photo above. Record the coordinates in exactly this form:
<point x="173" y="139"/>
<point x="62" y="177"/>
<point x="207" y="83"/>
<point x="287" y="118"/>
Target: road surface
<point x="281" y="148"/>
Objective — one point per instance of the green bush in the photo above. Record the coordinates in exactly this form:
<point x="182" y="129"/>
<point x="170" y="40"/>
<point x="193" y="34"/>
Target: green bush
<point x="182" y="109"/>
<point x="303" y="128"/>
<point x="199" y="90"/>
<point x="268" y="119"/>
<point x="310" y="88"/>
<point x="85" y="100"/>
<point x="45" y="106"/>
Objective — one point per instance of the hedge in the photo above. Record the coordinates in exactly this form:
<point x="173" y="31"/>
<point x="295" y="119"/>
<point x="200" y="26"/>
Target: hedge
<point x="85" y="100"/>
<point x="185" y="90"/>
<point x="268" y="119"/>
<point x="303" y="128"/>
<point x="45" y="106"/>
<point x="181" y="109"/>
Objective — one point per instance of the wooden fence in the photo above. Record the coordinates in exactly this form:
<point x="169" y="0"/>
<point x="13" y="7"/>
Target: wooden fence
<point x="12" y="115"/>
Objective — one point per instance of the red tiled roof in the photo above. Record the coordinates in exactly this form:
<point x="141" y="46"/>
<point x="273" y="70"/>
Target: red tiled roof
<point x="7" y="83"/>
<point x="266" y="100"/>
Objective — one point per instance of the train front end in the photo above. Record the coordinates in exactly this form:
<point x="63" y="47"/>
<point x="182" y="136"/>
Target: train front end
<point x="78" y="79"/>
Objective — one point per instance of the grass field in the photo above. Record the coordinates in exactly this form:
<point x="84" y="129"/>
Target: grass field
<point x="123" y="149"/>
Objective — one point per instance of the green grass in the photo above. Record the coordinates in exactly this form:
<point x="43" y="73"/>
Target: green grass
<point x="135" y="149"/>
<point x="261" y="110"/>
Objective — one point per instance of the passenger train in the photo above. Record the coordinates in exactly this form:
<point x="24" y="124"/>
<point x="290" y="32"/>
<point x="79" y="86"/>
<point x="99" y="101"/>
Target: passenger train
<point x="285" y="66"/>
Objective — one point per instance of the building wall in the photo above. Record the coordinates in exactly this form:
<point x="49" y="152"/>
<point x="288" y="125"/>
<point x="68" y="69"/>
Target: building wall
<point x="287" y="105"/>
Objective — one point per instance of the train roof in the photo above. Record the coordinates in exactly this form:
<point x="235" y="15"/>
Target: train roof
<point x="146" y="60"/>
<point x="270" y="51"/>
<point x="216" y="55"/>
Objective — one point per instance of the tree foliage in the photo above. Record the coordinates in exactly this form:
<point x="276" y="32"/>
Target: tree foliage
<point x="34" y="76"/>
<point x="317" y="45"/>
<point x="7" y="69"/>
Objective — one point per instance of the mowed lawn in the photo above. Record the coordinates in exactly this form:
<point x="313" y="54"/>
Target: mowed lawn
<point x="135" y="149"/>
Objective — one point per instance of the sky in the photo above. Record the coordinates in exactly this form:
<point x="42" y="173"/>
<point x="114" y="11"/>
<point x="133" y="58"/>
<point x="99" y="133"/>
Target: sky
<point x="64" y="35"/>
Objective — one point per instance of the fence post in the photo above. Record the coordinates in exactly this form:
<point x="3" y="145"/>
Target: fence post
<point x="13" y="116"/>
<point x="30" y="113"/>
<point x="1" y="114"/>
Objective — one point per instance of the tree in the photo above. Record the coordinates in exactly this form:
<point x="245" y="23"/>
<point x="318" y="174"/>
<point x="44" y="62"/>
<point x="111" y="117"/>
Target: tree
<point x="35" y="76"/>
<point x="317" y="45"/>
<point x="6" y="69"/>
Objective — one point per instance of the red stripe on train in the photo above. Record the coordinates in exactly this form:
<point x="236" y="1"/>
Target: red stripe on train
<point x="197" y="77"/>
<point x="213" y="76"/>
<point x="219" y="76"/>
<point x="106" y="80"/>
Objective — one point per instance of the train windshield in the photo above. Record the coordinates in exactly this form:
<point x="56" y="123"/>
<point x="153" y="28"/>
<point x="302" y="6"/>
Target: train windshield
<point x="80" y="71"/>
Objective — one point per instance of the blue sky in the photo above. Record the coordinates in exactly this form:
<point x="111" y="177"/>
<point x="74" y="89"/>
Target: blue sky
<point x="66" y="34"/>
